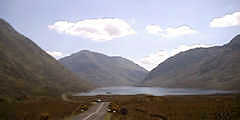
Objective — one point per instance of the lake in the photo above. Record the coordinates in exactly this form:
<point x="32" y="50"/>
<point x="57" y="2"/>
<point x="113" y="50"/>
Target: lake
<point x="155" y="91"/>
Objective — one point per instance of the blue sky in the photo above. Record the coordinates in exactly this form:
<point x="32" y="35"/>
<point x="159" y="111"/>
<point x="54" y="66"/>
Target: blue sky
<point x="174" y="25"/>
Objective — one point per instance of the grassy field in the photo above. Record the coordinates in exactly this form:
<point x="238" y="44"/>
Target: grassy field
<point x="189" y="107"/>
<point x="205" y="107"/>
<point x="139" y="107"/>
<point x="34" y="109"/>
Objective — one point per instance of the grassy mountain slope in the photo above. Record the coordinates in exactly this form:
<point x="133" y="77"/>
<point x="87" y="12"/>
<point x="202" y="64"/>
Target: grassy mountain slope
<point x="214" y="68"/>
<point x="25" y="69"/>
<point x="104" y="70"/>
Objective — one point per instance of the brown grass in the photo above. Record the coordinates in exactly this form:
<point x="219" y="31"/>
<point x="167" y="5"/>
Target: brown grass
<point x="33" y="109"/>
<point x="139" y="107"/>
<point x="205" y="107"/>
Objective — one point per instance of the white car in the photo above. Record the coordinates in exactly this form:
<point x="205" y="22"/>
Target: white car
<point x="98" y="100"/>
<point x="109" y="110"/>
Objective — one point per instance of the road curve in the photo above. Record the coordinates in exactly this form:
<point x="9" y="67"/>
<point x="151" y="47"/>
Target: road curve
<point x="96" y="112"/>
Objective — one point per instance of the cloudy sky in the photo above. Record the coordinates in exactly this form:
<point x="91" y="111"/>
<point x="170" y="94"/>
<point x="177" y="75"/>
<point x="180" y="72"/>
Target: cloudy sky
<point x="145" y="31"/>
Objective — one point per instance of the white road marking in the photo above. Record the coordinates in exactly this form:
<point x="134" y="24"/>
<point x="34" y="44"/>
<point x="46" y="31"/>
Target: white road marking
<point x="97" y="111"/>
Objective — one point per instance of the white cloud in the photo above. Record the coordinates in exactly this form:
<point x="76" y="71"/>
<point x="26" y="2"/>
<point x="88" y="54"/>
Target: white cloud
<point x="102" y="29"/>
<point x="56" y="54"/>
<point x="170" y="32"/>
<point x="226" y="21"/>
<point x="153" y="60"/>
<point x="154" y="29"/>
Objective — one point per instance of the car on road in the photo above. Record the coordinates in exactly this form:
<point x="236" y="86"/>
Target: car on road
<point x="112" y="107"/>
<point x="83" y="108"/>
<point x="98" y="100"/>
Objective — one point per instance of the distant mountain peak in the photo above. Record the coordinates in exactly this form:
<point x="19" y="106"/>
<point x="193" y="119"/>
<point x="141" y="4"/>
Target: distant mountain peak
<point x="104" y="70"/>
<point x="235" y="42"/>
<point x="86" y="51"/>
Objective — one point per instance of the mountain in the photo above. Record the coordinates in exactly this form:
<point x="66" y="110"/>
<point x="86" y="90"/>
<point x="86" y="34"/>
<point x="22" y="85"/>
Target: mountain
<point x="212" y="68"/>
<point x="104" y="70"/>
<point x="25" y="69"/>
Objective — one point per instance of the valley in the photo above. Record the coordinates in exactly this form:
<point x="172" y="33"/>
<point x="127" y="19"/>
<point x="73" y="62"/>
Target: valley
<point x="73" y="64"/>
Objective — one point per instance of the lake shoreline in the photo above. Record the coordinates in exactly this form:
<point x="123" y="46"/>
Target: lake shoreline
<point x="155" y="91"/>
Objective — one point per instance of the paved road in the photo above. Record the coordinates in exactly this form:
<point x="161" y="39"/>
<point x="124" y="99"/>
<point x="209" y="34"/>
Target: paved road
<point x="96" y="112"/>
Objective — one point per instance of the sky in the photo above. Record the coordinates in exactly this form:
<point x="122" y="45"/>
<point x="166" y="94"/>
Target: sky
<point x="144" y="31"/>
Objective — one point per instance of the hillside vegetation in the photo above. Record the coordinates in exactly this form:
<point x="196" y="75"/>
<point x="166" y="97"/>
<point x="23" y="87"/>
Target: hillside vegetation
<point x="27" y="70"/>
<point x="104" y="70"/>
<point x="212" y="68"/>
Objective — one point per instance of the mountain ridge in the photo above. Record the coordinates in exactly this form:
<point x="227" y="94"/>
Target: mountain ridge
<point x="104" y="70"/>
<point x="208" y="68"/>
<point x="27" y="69"/>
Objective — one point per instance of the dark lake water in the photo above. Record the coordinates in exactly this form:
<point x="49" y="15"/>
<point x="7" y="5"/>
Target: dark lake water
<point x="150" y="91"/>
